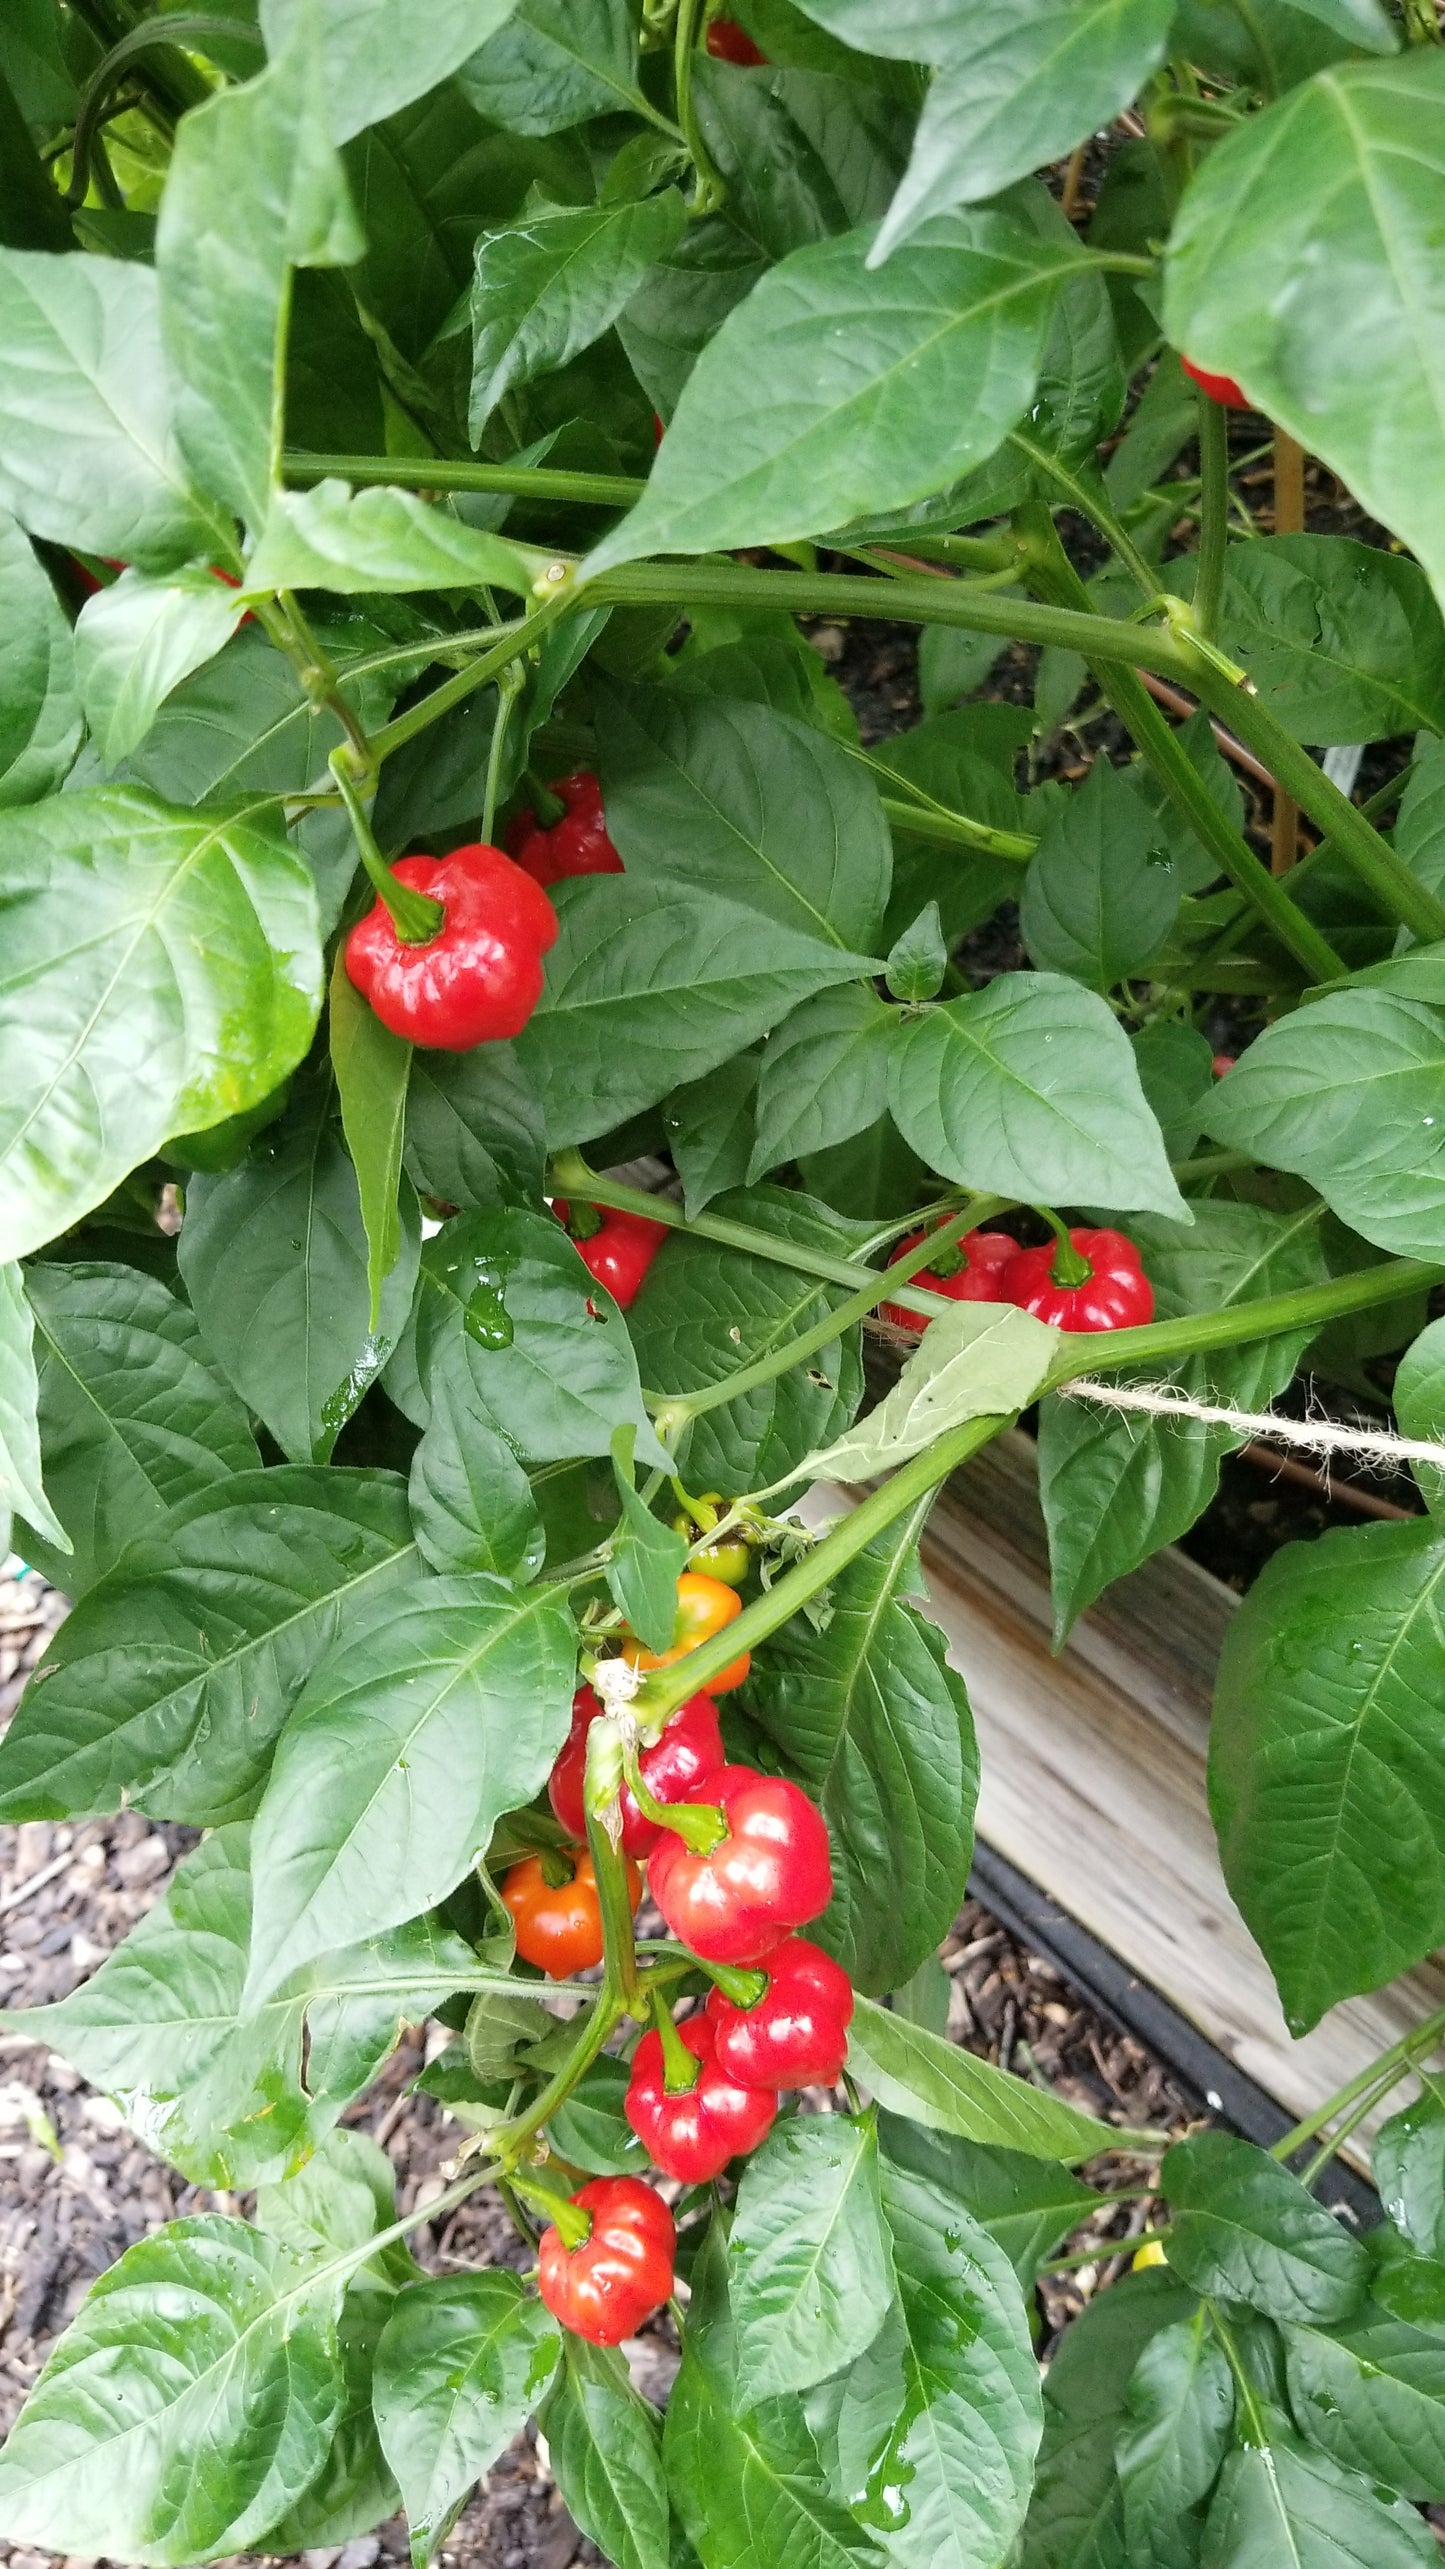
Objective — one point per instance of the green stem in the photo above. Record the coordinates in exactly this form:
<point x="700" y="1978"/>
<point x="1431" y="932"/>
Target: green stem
<point x="1092" y="504"/>
<point x="669" y="1687"/>
<point x="967" y="552"/>
<point x="1399" y="2057"/>
<point x="510" y="2139"/>
<point x="1211" y="1164"/>
<point x="942" y="828"/>
<point x="454" y="690"/>
<point x="601" y="1778"/>
<point x="1104" y="2249"/>
<point x="144" y="39"/>
<point x="415" y="917"/>
<point x="447" y="473"/>
<point x="680" y="2067"/>
<point x="1253" y="2429"/>
<point x="1329" y="2148"/>
<point x="510" y="683"/>
<point x="1214" y="516"/>
<point x="710" y="191"/>
<point x="1271" y="1316"/>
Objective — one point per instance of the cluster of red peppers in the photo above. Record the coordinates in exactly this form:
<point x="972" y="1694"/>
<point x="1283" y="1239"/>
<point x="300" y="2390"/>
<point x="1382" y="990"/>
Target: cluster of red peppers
<point x="703" y="2091"/>
<point x="1094" y="1281"/>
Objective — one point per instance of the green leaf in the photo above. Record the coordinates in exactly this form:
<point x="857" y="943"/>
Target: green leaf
<point x="1017" y="85"/>
<point x="1176" y="1073"/>
<point x="766" y="811"/>
<point x="1343" y="642"/>
<point x="1027" y="2205"/>
<point x="1076" y="2518"/>
<point x="1100" y="895"/>
<point x="709" y="1126"/>
<point x="88" y="448"/>
<point x="1344" y="1093"/>
<point x="646" y="1559"/>
<point x="353" y="2490"/>
<point x="941" y="2418"/>
<point x="780" y="670"/>
<point x="1180" y="2406"/>
<point x="590" y="2128"/>
<point x="1289" y="2504"/>
<point x="1371" y="2393"/>
<point x="549" y="286"/>
<point x="275" y="1259"/>
<point x="137" y="640"/>
<point x="473" y="1128"/>
<point x="1325" y="1784"/>
<point x="705" y="1311"/>
<point x="1028" y="1089"/>
<point x="220" y="2094"/>
<point x="681" y="304"/>
<point x="132" y="1421"/>
<point x="809" y="2274"/>
<point x="824" y="1074"/>
<point x="254" y="188"/>
<point x="882" y="386"/>
<point x="876" y="1727"/>
<point x="801" y="156"/>
<point x="1408" y="2166"/>
<point x="340" y="2198"/>
<point x="650" y="985"/>
<point x="332" y="537"/>
<point x="39" y="715"/>
<point x="1243" y="2228"/>
<point x="164" y="971"/>
<point x="403" y="1752"/>
<point x="1420" y="824"/>
<point x="168" y="1685"/>
<point x="979" y="1360"/>
<point x="546" y="1350"/>
<point x="471" y="1501"/>
<point x="555" y="63"/>
<point x="191" y="2399"/>
<point x="245" y="725"/>
<point x="1115" y="1485"/>
<point x="1334" y="192"/>
<point x="606" y="2459"/>
<point x="461" y="2365"/>
<point x="21" y="1492"/>
<point x="377" y="55"/>
<point x="915" y="2073"/>
<point x="34" y="64"/>
<point x="918" y="959"/>
<point x="372" y="1067"/>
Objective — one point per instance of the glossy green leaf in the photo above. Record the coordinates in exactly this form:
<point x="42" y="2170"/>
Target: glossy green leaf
<point x="353" y="2490"/>
<point x="1420" y="822"/>
<point x="372" y="1067"/>
<point x="709" y="1126"/>
<point x="824" y="1075"/>
<point x="606" y="2456"/>
<point x="255" y="188"/>
<point x="473" y="1128"/>
<point x="1289" y="2504"/>
<point x="1324" y="1779"/>
<point x="554" y="63"/>
<point x="876" y="1727"/>
<point x="1343" y="642"/>
<point x="705" y="1311"/>
<point x="1100" y="896"/>
<point x="917" y="2074"/>
<point x="163" y="971"/>
<point x="137" y="640"/>
<point x="461" y="2365"/>
<point x="1028" y="1089"/>
<point x="471" y="1500"/>
<point x="377" y="55"/>
<point x="1408" y="2166"/>
<point x="403" y="1752"/>
<point x="546" y="1352"/>
<point x="132" y="1420"/>
<point x="647" y="1558"/>
<point x="809" y="2273"/>
<point x="651" y="984"/>
<point x="591" y="2129"/>
<point x="343" y="2195"/>
<point x="1371" y="2393"/>
<point x="683" y="301"/>
<point x="39" y="713"/>
<point x="1076" y="2515"/>
<point x="941" y="2418"/>
<point x="765" y="810"/>
<point x="168" y="1685"/>
<point x="1242" y="2227"/>
<point x="1176" y="1073"/>
<point x="1027" y="2205"/>
<point x="779" y="669"/>
<point x="192" y="2397"/>
<point x="88" y="448"/>
<point x="332" y="537"/>
<point x="1117" y="1485"/>
<point x="1336" y="191"/>
<point x="1178" y="2412"/>
<point x="1418" y="1393"/>
<point x="882" y="386"/>
<point x="546" y="288"/>
<point x="1019" y="83"/>
<point x="217" y="2092"/>
<point x="21" y="1490"/>
<point x="275" y="1260"/>
<point x="978" y="1360"/>
<point x="245" y="726"/>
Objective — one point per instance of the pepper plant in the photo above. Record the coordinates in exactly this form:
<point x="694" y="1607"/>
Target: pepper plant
<point x="432" y="436"/>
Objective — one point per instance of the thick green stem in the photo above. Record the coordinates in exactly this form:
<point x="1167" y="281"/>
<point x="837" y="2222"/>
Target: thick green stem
<point x="510" y="683"/>
<point x="511" y="2139"/>
<point x="1399" y="2058"/>
<point x="1214" y="514"/>
<point x="1090" y="502"/>
<point x="1199" y="1332"/>
<point x="415" y="917"/>
<point x="446" y="473"/>
<point x="602" y="1777"/>
<point x="680" y="2067"/>
<point x="942" y="828"/>
<point x="709" y="192"/>
<point x="454" y="690"/>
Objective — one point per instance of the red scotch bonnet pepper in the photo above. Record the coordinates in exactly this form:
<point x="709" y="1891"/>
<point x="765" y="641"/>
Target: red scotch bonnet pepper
<point x="674" y="1769"/>
<point x="728" y="42"/>
<point x="619" y="1252"/>
<point x="692" y="2132"/>
<point x="969" y="1272"/>
<point x="1113" y="1293"/>
<point x="478" y="977"/>
<point x="765" y="1874"/>
<point x="614" y="2277"/>
<point x="577" y="844"/>
<point x="796" y="2033"/>
<point x="1220" y="388"/>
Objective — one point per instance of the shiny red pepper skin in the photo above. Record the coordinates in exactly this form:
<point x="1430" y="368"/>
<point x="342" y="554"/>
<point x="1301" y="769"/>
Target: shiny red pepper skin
<point x="604" y="2289"/>
<point x="692" y="2132"/>
<point x="480" y="977"/>
<point x="1118" y="1295"/>
<point x="796" y="2034"/>
<point x="770" y="1874"/>
<point x="728" y="42"/>
<point x="675" y="1768"/>
<point x="577" y="844"/>
<point x="1220" y="388"/>
<point x="620" y="1251"/>
<point x="985" y="1255"/>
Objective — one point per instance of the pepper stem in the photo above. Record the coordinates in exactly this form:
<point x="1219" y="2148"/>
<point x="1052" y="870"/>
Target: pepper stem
<point x="601" y="1779"/>
<point x="740" y="1988"/>
<point x="700" y="1825"/>
<point x="1069" y="1266"/>
<point x="681" y="2068"/>
<point x="571" y="2221"/>
<point x="415" y="917"/>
